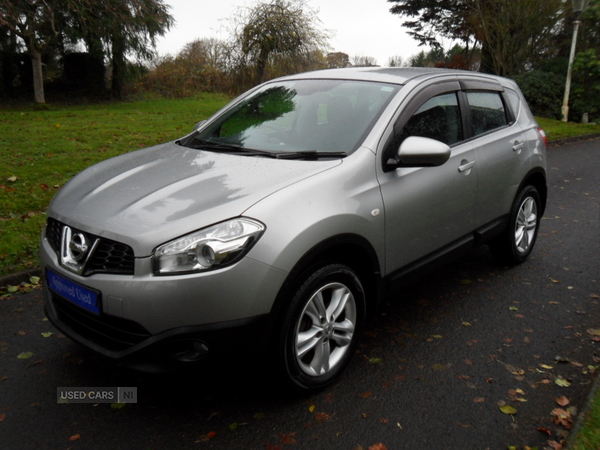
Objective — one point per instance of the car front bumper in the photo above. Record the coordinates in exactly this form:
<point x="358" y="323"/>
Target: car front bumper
<point x="168" y="324"/>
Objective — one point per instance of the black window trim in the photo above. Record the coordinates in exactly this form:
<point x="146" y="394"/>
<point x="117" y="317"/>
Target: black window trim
<point x="460" y="87"/>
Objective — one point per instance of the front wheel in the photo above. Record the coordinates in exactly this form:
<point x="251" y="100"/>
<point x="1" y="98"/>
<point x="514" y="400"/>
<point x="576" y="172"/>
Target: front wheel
<point x="321" y="326"/>
<point x="517" y="241"/>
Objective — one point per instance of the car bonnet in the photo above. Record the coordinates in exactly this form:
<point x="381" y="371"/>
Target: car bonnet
<point x="151" y="196"/>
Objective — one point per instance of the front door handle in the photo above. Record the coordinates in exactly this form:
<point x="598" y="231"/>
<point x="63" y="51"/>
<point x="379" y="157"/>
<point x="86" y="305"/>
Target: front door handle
<point x="465" y="165"/>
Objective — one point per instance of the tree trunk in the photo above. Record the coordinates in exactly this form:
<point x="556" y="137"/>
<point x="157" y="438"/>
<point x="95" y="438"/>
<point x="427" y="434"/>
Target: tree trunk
<point x="38" y="75"/>
<point x="487" y="60"/>
<point x="261" y="66"/>
<point x="119" y="68"/>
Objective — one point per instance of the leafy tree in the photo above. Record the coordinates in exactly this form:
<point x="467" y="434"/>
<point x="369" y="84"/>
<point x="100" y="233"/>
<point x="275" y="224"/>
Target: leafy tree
<point x="586" y="67"/>
<point x="337" y="60"/>
<point x="34" y="22"/>
<point x="122" y="27"/>
<point x="434" y="19"/>
<point x="200" y="66"/>
<point x="511" y="33"/>
<point x="277" y="29"/>
<point x="113" y="27"/>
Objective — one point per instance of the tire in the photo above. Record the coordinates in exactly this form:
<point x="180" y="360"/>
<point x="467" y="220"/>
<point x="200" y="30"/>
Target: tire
<point x="321" y="327"/>
<point x="515" y="244"/>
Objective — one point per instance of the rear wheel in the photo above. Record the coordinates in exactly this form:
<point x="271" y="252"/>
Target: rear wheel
<point x="517" y="241"/>
<point x="320" y="329"/>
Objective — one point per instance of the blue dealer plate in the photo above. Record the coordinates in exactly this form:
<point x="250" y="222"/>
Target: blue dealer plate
<point x="75" y="293"/>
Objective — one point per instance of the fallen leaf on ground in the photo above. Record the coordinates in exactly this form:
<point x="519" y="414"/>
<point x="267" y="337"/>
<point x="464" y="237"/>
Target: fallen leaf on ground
<point x="75" y="437"/>
<point x="288" y="438"/>
<point x="562" y="401"/>
<point x="507" y="409"/>
<point x="562" y="382"/>
<point x="379" y="446"/>
<point x="25" y="355"/>
<point x="322" y="417"/>
<point x="562" y="417"/>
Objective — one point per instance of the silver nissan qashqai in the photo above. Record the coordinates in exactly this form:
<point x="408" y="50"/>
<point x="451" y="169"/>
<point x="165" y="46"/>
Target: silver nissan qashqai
<point x="278" y="225"/>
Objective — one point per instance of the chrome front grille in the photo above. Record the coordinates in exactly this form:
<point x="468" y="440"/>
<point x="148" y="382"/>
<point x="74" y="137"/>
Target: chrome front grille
<point x="108" y="256"/>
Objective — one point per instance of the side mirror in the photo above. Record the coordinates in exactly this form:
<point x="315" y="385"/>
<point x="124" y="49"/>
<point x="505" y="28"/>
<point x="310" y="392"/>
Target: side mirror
<point x="418" y="151"/>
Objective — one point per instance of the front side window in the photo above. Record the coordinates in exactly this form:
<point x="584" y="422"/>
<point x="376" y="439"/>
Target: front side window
<point x="300" y="116"/>
<point x="487" y="111"/>
<point x="438" y="118"/>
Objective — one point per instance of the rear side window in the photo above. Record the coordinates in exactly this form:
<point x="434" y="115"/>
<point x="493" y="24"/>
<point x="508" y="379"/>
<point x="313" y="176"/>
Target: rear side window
<point x="514" y="101"/>
<point x="438" y="118"/>
<point x="487" y="111"/>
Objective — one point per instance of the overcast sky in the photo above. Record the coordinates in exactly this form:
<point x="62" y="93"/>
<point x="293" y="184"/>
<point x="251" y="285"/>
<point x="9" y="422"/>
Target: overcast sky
<point x="360" y="27"/>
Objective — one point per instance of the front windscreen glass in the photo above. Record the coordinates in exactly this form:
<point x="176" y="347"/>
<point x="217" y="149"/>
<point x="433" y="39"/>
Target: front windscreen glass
<point x="322" y="116"/>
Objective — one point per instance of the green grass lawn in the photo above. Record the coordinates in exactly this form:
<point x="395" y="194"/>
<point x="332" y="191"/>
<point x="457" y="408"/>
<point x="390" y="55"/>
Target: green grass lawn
<point x="588" y="434"/>
<point x="41" y="150"/>
<point x="555" y="129"/>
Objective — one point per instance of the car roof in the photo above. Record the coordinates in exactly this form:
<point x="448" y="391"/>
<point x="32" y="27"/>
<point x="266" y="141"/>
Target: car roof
<point x="394" y="75"/>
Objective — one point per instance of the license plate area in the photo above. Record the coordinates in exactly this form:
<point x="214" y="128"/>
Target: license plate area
<point x="86" y="298"/>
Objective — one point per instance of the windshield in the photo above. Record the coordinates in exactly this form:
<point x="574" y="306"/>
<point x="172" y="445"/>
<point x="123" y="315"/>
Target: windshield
<point x="316" y="116"/>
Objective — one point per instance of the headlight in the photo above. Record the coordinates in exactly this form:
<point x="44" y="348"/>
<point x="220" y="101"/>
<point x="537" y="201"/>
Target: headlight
<point x="211" y="248"/>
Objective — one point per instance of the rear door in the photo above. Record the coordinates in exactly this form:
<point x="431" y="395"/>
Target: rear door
<point x="500" y="147"/>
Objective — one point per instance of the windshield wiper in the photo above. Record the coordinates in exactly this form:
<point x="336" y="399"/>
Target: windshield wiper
<point x="241" y="150"/>
<point x="203" y="144"/>
<point x="310" y="154"/>
<point x="229" y="148"/>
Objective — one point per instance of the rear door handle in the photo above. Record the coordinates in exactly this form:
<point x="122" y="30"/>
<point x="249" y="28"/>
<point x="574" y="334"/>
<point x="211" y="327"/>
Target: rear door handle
<point x="466" y="165"/>
<point x="517" y="147"/>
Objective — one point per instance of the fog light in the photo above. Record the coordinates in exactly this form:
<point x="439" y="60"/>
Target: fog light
<point x="190" y="351"/>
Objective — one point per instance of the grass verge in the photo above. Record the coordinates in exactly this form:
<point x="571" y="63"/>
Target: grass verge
<point x="555" y="129"/>
<point x="588" y="435"/>
<point x="42" y="150"/>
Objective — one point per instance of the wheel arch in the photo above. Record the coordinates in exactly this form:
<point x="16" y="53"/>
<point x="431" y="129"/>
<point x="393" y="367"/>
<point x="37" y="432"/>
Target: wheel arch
<point x="351" y="250"/>
<point x="537" y="179"/>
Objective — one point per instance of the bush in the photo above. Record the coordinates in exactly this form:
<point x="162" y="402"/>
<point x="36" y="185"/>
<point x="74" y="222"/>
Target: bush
<point x="179" y="78"/>
<point x="585" y="92"/>
<point x="543" y="91"/>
